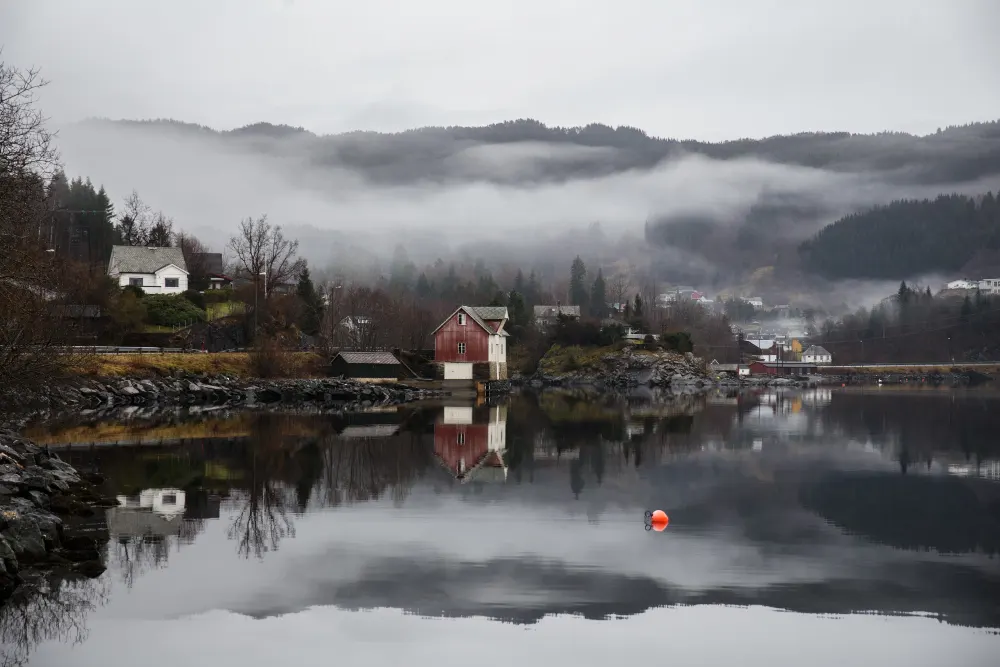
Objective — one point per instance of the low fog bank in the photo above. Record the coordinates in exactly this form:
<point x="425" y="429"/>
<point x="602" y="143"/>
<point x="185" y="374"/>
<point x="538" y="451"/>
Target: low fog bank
<point x="505" y="208"/>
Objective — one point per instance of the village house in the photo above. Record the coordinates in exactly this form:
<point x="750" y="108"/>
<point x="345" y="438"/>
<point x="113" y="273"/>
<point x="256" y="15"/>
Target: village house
<point x="962" y="284"/>
<point x="155" y="270"/>
<point x="212" y="262"/>
<point x="814" y="354"/>
<point x="989" y="286"/>
<point x="547" y="316"/>
<point x="472" y="344"/>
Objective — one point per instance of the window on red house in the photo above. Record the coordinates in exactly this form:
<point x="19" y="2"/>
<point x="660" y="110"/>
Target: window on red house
<point x="461" y="319"/>
<point x="461" y="348"/>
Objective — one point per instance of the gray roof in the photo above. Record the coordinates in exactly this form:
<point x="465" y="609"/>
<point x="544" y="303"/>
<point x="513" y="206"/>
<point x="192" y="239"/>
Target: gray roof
<point x="479" y="315"/>
<point x="212" y="262"/>
<point x="552" y="311"/>
<point x="141" y="259"/>
<point x="816" y="350"/>
<point x="384" y="358"/>
<point x="490" y="312"/>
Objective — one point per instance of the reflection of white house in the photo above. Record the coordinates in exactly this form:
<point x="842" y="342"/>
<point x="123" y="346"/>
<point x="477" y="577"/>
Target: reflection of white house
<point x="168" y="503"/>
<point x="155" y="270"/>
<point x="815" y="354"/>
<point x="153" y="513"/>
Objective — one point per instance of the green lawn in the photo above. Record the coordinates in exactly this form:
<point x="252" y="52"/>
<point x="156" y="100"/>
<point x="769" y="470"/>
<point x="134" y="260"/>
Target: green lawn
<point x="216" y="310"/>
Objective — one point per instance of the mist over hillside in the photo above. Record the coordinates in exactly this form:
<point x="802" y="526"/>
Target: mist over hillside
<point x="712" y="214"/>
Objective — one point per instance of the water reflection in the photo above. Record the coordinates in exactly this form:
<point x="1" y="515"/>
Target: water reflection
<point x="818" y="501"/>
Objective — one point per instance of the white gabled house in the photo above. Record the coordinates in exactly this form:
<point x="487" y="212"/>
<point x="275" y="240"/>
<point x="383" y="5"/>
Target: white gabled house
<point x="155" y="270"/>
<point x="815" y="354"/>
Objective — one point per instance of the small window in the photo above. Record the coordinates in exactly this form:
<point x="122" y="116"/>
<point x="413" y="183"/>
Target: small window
<point x="135" y="282"/>
<point x="461" y="348"/>
<point x="171" y="282"/>
<point x="461" y="319"/>
<point x="169" y="499"/>
<point x="461" y="438"/>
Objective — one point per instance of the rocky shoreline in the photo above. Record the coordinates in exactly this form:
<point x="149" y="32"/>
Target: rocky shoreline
<point x="189" y="390"/>
<point x="44" y="504"/>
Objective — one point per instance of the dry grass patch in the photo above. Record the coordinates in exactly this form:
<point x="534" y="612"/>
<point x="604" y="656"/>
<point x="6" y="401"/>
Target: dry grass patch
<point x="298" y="364"/>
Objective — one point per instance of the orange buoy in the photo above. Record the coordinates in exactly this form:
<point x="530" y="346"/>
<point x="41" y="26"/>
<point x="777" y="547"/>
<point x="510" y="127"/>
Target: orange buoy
<point x="659" y="520"/>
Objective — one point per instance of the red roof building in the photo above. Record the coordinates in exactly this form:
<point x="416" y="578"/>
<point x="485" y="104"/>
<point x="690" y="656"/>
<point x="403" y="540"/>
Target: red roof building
<point x="472" y="335"/>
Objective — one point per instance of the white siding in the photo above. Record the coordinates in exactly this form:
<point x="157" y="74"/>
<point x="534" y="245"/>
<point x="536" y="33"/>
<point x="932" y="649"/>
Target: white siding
<point x="155" y="283"/>
<point x="498" y="349"/>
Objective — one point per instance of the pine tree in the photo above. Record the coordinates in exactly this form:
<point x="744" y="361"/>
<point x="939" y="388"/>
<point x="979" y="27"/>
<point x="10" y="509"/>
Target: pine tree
<point x="637" y="307"/>
<point x="598" y="296"/>
<point x="312" y="304"/>
<point x="516" y="309"/>
<point x="577" y="286"/>
<point x="424" y="288"/>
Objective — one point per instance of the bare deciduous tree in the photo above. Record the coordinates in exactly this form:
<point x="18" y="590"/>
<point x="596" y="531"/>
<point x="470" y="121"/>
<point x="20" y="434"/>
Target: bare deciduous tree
<point x="135" y="221"/>
<point x="161" y="232"/>
<point x="30" y="277"/>
<point x="261" y="248"/>
<point x="618" y="289"/>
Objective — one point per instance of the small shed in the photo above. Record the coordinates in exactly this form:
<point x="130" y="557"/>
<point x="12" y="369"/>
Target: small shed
<point x="366" y="366"/>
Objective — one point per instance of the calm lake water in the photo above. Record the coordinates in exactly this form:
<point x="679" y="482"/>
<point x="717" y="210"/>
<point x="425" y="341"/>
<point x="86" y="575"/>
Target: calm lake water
<point x="819" y="527"/>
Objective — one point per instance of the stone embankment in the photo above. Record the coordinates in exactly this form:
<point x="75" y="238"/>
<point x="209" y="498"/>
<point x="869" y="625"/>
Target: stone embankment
<point x="629" y="368"/>
<point x="188" y="390"/>
<point x="44" y="503"/>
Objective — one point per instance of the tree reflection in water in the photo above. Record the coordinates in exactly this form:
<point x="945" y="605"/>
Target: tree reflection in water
<point x="262" y="519"/>
<point x="48" y="610"/>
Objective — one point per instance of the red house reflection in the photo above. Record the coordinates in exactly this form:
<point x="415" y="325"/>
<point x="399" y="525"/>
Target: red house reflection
<point x="470" y="442"/>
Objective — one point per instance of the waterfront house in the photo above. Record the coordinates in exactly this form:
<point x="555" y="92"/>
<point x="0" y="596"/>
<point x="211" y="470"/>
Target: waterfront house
<point x="816" y="354"/>
<point x="155" y="270"/>
<point x="471" y="343"/>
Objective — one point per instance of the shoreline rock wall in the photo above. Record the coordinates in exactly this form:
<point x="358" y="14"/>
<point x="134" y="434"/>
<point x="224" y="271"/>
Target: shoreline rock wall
<point x="189" y="390"/>
<point x="42" y="502"/>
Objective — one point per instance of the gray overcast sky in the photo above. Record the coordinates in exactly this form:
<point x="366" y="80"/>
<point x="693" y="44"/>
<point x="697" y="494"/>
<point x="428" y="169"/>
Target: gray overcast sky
<point x="706" y="69"/>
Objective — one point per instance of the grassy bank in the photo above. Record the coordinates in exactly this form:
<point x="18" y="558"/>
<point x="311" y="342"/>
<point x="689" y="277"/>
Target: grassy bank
<point x="297" y="364"/>
<point x="559" y="360"/>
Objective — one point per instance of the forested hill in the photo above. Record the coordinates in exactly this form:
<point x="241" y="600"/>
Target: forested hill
<point x="950" y="155"/>
<point x="906" y="238"/>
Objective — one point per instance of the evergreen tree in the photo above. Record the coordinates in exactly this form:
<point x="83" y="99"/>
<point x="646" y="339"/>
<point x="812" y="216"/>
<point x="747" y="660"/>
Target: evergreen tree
<point x="517" y="310"/>
<point x="903" y="294"/>
<point x="519" y="282"/>
<point x="312" y="304"/>
<point x="598" y="296"/>
<point x="637" y="307"/>
<point x="424" y="288"/>
<point x="533" y="292"/>
<point x="577" y="284"/>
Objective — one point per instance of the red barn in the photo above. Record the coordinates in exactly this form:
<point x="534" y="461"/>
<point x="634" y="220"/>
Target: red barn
<point x="472" y="340"/>
<point x="470" y="444"/>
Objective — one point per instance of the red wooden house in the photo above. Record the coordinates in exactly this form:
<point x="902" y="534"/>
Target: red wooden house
<point x="470" y="444"/>
<point x="472" y="342"/>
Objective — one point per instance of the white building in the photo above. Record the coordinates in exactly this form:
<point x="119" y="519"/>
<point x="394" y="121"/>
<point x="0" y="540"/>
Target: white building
<point x="755" y="301"/>
<point x="814" y="354"/>
<point x="989" y="286"/>
<point x="962" y="284"/>
<point x="155" y="270"/>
